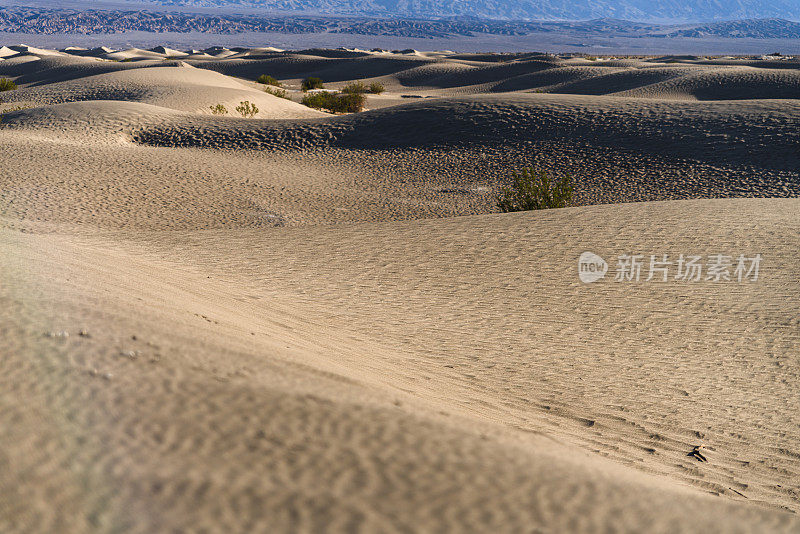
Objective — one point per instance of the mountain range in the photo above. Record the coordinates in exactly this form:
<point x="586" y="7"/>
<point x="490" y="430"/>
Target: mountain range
<point x="636" y="10"/>
<point x="94" y="21"/>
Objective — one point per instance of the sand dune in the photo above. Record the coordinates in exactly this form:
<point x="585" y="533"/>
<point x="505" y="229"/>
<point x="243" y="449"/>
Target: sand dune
<point x="7" y="52"/>
<point x="33" y="71"/>
<point x="324" y="425"/>
<point x="180" y="87"/>
<point x="168" y="52"/>
<point x="97" y="52"/>
<point x="398" y="286"/>
<point x="25" y="49"/>
<point x="304" y="322"/>
<point x="670" y="78"/>
<point x="738" y="83"/>
<point x="719" y="131"/>
<point x="665" y="77"/>
<point x="133" y="54"/>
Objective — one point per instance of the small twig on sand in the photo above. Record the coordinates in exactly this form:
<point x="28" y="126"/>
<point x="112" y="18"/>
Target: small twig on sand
<point x="697" y="454"/>
<point x="738" y="493"/>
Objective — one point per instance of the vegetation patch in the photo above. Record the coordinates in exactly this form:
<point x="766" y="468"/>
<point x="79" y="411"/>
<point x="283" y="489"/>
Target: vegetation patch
<point x="219" y="109"/>
<point x="7" y="85"/>
<point x="246" y="109"/>
<point x="277" y="91"/>
<point x="335" y="102"/>
<point x="360" y="88"/>
<point x="535" y="190"/>
<point x="312" y="83"/>
<point x="355" y="88"/>
<point x="269" y="80"/>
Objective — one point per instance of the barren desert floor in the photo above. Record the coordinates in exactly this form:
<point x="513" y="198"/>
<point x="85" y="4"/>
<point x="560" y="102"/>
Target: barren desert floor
<point x="305" y="322"/>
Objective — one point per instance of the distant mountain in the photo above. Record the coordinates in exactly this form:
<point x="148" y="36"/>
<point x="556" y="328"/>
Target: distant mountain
<point x="637" y="10"/>
<point x="93" y="21"/>
<point x="753" y="29"/>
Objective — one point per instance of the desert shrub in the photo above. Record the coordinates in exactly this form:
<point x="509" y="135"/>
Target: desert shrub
<point x="535" y="190"/>
<point x="312" y="83"/>
<point x="335" y="102"/>
<point x="268" y="80"/>
<point x="376" y="88"/>
<point x="277" y="91"/>
<point x="318" y="100"/>
<point x="246" y="109"/>
<point x="355" y="88"/>
<point x="349" y="103"/>
<point x="7" y="85"/>
<point x="219" y="109"/>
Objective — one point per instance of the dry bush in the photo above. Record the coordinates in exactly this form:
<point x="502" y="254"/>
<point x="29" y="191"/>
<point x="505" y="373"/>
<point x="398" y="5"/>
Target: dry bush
<point x="312" y="83"/>
<point x="336" y="102"/>
<point x="277" y="91"/>
<point x="269" y="80"/>
<point x="355" y="88"/>
<point x="7" y="85"/>
<point x="219" y="109"/>
<point x="534" y="190"/>
<point x="246" y="109"/>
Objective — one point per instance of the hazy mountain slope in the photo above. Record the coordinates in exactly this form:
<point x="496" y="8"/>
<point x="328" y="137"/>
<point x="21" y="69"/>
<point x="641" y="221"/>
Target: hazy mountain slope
<point x="668" y="10"/>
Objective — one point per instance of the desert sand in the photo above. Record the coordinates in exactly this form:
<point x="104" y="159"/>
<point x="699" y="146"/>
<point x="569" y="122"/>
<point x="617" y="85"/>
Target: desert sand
<point x="304" y="322"/>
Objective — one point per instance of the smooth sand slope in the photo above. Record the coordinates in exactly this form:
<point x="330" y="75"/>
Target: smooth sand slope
<point x="278" y="324"/>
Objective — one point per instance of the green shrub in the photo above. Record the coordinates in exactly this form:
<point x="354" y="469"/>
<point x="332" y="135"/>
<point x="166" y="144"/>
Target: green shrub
<point x="335" y="102"/>
<point x="534" y="190"/>
<point x="268" y="80"/>
<point x="7" y="85"/>
<point x="219" y="109"/>
<point x="246" y="109"/>
<point x="376" y="88"/>
<point x="355" y="88"/>
<point x="312" y="83"/>
<point x="277" y="91"/>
